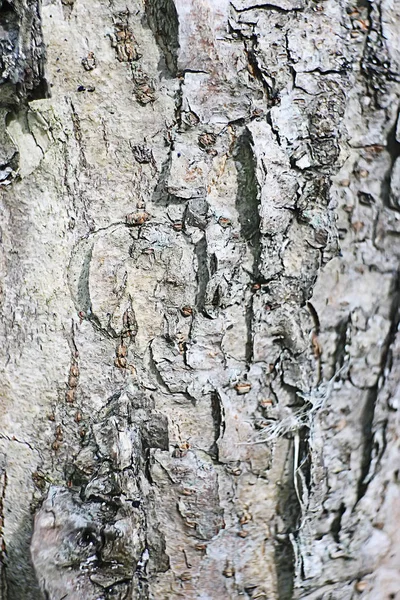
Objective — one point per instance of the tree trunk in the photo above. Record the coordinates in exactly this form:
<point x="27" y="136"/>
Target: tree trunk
<point x="200" y="299"/>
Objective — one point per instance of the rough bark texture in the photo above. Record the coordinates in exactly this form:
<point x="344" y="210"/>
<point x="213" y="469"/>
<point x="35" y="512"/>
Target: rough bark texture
<point x="200" y="299"/>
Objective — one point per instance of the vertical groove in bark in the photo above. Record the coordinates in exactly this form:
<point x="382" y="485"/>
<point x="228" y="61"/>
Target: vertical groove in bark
<point x="372" y="399"/>
<point x="163" y="20"/>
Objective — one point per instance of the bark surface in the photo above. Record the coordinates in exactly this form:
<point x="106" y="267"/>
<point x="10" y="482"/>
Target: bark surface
<point x="199" y="299"/>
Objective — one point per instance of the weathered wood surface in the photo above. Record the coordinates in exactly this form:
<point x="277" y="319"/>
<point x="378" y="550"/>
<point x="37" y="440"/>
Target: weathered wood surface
<point x="200" y="299"/>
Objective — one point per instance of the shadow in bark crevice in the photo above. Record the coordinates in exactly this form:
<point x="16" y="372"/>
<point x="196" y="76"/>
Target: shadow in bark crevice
<point x="247" y="205"/>
<point x="218" y="423"/>
<point x="372" y="396"/>
<point x="202" y="274"/>
<point x="248" y="197"/>
<point x="163" y="21"/>
<point x="393" y="148"/>
<point x="289" y="510"/>
<point x="160" y="195"/>
<point x="19" y="574"/>
<point x="23" y="54"/>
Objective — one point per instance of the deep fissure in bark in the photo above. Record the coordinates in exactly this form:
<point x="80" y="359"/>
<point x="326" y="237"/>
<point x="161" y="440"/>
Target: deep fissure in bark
<point x="370" y="404"/>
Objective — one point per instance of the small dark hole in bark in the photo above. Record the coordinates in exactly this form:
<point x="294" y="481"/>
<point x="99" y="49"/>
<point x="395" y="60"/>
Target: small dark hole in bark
<point x="41" y="90"/>
<point x="87" y="538"/>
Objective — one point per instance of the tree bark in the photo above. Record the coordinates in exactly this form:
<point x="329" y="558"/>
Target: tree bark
<point x="200" y="299"/>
